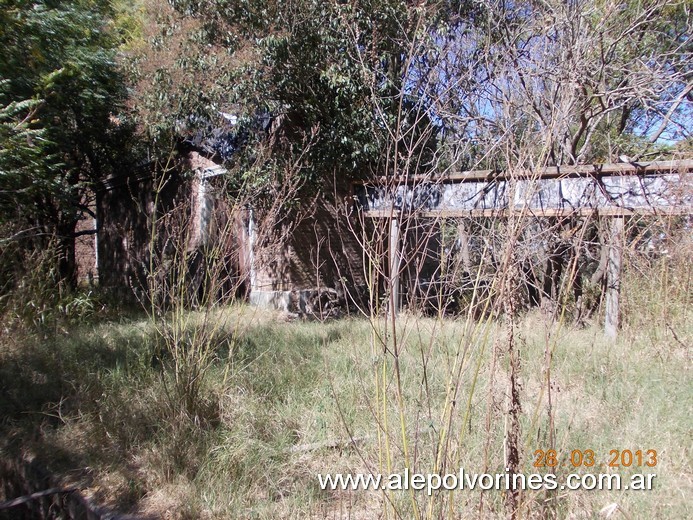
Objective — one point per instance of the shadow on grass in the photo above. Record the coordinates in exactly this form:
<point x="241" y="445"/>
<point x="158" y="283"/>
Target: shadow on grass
<point x="93" y="396"/>
<point x="50" y="381"/>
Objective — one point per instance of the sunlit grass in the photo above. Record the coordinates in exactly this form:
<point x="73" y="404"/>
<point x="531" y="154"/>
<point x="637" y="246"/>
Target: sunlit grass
<point x="99" y="400"/>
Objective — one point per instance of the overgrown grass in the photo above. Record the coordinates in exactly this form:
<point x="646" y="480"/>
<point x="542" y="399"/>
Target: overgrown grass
<point x="283" y="399"/>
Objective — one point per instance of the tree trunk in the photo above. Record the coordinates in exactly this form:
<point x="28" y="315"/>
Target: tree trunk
<point x="67" y="264"/>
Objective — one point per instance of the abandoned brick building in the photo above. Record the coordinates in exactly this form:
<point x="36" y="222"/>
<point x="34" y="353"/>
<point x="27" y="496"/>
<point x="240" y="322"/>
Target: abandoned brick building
<point x="314" y="257"/>
<point x="309" y="263"/>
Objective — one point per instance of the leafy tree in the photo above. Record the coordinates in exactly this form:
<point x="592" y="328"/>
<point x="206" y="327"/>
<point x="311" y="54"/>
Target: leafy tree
<point x="61" y="94"/>
<point x="327" y="79"/>
<point x="343" y="83"/>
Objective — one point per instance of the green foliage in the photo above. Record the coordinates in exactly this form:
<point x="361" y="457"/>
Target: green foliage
<point x="22" y="152"/>
<point x="327" y="79"/>
<point x="60" y="97"/>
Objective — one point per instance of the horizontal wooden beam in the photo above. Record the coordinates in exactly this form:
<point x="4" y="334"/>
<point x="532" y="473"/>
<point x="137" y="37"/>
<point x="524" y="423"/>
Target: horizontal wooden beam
<point x="525" y="212"/>
<point x="552" y="172"/>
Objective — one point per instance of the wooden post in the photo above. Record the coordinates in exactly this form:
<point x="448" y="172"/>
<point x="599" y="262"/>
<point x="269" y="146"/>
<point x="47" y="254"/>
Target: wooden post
<point x="463" y="238"/>
<point x="251" y="251"/>
<point x="394" y="265"/>
<point x="613" y="278"/>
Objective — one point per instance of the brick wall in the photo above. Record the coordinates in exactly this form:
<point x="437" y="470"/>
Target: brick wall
<point x="321" y="250"/>
<point x="125" y="208"/>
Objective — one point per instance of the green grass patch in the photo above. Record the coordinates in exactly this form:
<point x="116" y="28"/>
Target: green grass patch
<point x="282" y="399"/>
